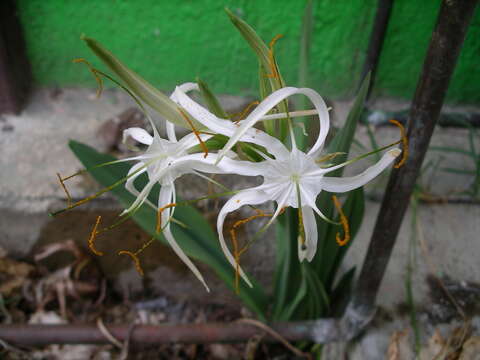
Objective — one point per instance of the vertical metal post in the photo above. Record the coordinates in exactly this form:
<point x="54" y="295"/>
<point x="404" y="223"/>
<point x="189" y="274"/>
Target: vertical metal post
<point x="445" y="45"/>
<point x="15" y="75"/>
<point x="375" y="44"/>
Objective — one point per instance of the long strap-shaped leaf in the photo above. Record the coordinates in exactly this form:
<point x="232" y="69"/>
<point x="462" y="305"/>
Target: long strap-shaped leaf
<point x="198" y="240"/>
<point x="139" y="86"/>
<point x="268" y="84"/>
<point x="340" y="143"/>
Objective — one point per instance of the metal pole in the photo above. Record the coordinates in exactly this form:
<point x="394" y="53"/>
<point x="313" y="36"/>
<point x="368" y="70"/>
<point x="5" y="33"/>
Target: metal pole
<point x="375" y="44"/>
<point x="39" y="335"/>
<point x="443" y="51"/>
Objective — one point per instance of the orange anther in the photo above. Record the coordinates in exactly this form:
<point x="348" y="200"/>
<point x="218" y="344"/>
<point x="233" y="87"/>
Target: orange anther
<point x="135" y="258"/>
<point x="344" y="222"/>
<point x="241" y="115"/>
<point x="159" y="216"/>
<point x="195" y="131"/>
<point x="95" y="74"/>
<point x="238" y="252"/>
<point x="271" y="58"/>
<point x="91" y="239"/>
<point x="404" y="143"/>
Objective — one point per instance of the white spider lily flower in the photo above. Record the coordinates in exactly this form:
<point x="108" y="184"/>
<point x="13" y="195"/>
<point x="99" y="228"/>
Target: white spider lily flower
<point x="291" y="178"/>
<point x="164" y="161"/>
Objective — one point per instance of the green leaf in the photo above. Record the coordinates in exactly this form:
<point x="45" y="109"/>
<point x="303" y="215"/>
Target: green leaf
<point x="341" y="293"/>
<point x="288" y="273"/>
<point x="303" y="73"/>
<point x="340" y="143"/>
<point x="344" y="138"/>
<point x="288" y="312"/>
<point x="139" y="86"/>
<point x="353" y="209"/>
<point x="255" y="42"/>
<point x="263" y="54"/>
<point x="317" y="300"/>
<point x="210" y="100"/>
<point x="197" y="240"/>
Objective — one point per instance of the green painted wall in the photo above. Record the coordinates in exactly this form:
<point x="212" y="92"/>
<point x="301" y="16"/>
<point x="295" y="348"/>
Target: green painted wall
<point x="170" y="42"/>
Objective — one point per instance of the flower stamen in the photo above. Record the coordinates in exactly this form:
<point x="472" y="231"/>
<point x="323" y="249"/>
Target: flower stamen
<point x="135" y="259"/>
<point x="239" y="252"/>
<point x="241" y="115"/>
<point x="62" y="184"/>
<point x="91" y="239"/>
<point x="301" y="230"/>
<point x="195" y="131"/>
<point x="344" y="222"/>
<point x="95" y="73"/>
<point x="159" y="215"/>
<point x="271" y="57"/>
<point x="404" y="143"/>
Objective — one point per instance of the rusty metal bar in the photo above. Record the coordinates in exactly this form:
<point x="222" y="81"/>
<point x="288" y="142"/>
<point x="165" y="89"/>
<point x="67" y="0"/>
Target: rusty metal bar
<point x="38" y="335"/>
<point x="445" y="45"/>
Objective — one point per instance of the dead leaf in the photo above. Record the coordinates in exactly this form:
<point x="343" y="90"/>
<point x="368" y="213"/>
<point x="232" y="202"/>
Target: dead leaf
<point x="471" y="349"/>
<point x="13" y="274"/>
<point x="399" y="347"/>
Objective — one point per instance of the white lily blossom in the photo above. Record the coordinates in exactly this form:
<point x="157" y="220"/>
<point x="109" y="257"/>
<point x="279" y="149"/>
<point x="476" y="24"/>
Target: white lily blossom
<point x="290" y="176"/>
<point x="164" y="161"/>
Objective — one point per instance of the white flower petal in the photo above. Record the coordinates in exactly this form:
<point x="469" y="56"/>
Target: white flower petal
<point x="311" y="235"/>
<point x="251" y="196"/>
<point x="270" y="102"/>
<point x="228" y="128"/>
<point x="344" y="184"/>
<point x="191" y="140"/>
<point x="166" y="196"/>
<point x="138" y="134"/>
<point x="186" y="87"/>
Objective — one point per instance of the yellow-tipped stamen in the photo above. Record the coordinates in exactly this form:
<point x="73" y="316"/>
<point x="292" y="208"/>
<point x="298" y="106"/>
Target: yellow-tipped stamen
<point x="344" y="222"/>
<point x="95" y="73"/>
<point x="62" y="184"/>
<point x="271" y="57"/>
<point x="404" y="143"/>
<point x="301" y="229"/>
<point x="238" y="252"/>
<point x="159" y="216"/>
<point x="91" y="239"/>
<point x="136" y="260"/>
<point x="195" y="131"/>
<point x="329" y="157"/>
<point x="134" y="255"/>
<point x="241" y="115"/>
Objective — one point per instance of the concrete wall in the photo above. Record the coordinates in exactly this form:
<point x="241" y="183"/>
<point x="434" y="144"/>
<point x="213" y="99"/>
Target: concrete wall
<point x="170" y="42"/>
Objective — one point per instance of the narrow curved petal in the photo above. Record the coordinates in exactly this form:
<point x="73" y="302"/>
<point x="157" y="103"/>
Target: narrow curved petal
<point x="344" y="184"/>
<point x="226" y="166"/>
<point x="138" y="134"/>
<point x="274" y="99"/>
<point x="311" y="235"/>
<point x="186" y="87"/>
<point x="166" y="196"/>
<point x="228" y="128"/>
<point x="129" y="184"/>
<point x="251" y="196"/>
<point x="191" y="140"/>
<point x="308" y="199"/>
